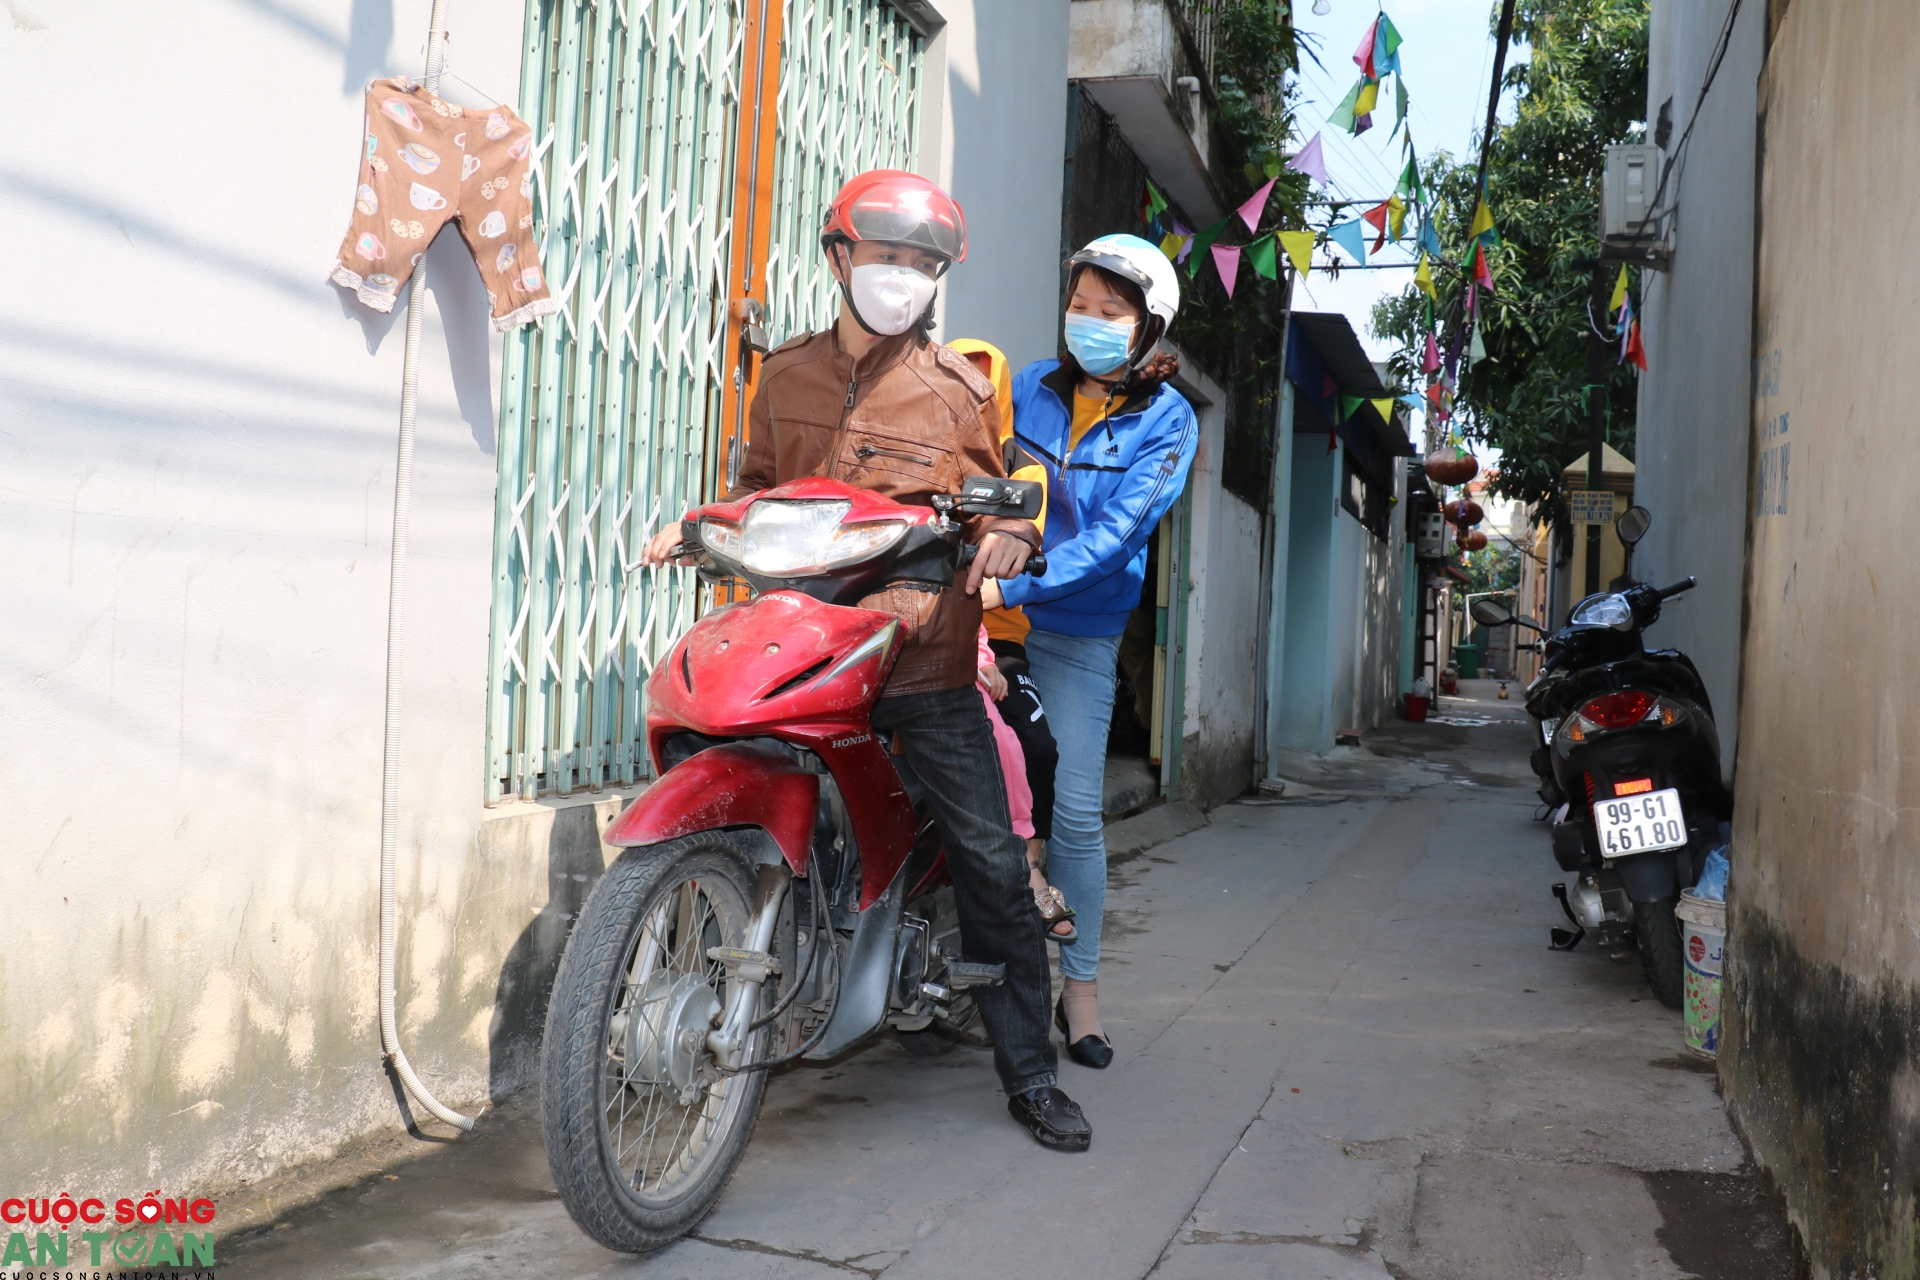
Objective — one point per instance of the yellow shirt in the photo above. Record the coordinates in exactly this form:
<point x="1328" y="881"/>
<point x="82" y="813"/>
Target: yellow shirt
<point x="1087" y="413"/>
<point x="1004" y="623"/>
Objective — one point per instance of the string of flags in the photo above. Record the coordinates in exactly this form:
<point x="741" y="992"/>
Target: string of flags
<point x="1378" y="56"/>
<point x="1405" y="214"/>
<point x="1628" y="323"/>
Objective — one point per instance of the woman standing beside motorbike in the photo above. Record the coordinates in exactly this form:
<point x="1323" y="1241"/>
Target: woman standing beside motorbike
<point x="1116" y="442"/>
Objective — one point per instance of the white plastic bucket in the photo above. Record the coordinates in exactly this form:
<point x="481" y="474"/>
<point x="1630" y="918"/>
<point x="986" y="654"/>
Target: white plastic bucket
<point x="1703" y="941"/>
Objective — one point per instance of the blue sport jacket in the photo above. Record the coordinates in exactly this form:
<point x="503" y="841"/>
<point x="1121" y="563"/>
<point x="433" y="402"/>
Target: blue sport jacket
<point x="1103" y="502"/>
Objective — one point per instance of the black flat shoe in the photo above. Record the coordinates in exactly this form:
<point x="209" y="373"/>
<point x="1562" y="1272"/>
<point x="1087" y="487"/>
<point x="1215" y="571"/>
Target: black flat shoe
<point x="1053" y="1118"/>
<point x="1088" y="1051"/>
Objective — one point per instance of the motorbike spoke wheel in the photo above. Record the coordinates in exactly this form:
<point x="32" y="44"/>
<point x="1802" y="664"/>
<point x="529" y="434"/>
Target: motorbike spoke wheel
<point x="643" y="1130"/>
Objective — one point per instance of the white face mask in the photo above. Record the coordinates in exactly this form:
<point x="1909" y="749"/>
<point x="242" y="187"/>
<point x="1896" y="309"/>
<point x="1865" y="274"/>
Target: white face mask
<point x="889" y="297"/>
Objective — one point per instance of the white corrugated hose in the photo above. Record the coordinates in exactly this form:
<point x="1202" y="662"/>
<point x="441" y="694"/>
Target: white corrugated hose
<point x="396" y="636"/>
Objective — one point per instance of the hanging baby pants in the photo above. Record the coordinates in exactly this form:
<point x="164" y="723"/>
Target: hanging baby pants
<point x="427" y="161"/>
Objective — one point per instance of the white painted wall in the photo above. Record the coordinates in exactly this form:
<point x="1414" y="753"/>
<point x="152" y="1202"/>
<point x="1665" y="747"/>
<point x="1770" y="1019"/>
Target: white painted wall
<point x="995" y="136"/>
<point x="198" y="446"/>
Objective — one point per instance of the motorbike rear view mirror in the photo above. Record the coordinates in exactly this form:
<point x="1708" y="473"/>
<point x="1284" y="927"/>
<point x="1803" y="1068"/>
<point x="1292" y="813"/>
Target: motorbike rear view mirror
<point x="1529" y="623"/>
<point x="990" y="496"/>
<point x="1489" y="613"/>
<point x="1632" y="524"/>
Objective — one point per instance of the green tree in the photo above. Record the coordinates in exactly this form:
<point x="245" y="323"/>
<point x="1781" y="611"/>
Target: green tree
<point x="1492" y="569"/>
<point x="1583" y="87"/>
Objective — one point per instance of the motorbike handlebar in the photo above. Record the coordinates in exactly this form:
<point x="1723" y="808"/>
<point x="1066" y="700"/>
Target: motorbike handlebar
<point x="1685" y="584"/>
<point x="1036" y="563"/>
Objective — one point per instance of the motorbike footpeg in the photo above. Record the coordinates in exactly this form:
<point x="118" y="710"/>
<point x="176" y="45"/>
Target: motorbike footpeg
<point x="961" y="975"/>
<point x="753" y="966"/>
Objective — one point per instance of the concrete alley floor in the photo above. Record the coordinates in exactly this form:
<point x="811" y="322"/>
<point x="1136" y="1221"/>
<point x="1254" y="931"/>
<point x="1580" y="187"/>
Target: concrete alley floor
<point x="1343" y="1051"/>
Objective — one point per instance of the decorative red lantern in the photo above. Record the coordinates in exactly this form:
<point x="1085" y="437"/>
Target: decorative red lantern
<point x="1451" y="464"/>
<point x="1464" y="513"/>
<point x="1471" y="540"/>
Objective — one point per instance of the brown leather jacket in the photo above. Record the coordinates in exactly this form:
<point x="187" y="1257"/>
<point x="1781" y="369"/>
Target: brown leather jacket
<point x="912" y="419"/>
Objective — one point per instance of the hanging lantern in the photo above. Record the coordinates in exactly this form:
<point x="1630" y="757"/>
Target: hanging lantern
<point x="1450" y="464"/>
<point x="1471" y="540"/>
<point x="1464" y="513"/>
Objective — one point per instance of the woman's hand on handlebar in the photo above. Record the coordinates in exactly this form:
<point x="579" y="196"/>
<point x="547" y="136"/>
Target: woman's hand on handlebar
<point x="999" y="555"/>
<point x="660" y="547"/>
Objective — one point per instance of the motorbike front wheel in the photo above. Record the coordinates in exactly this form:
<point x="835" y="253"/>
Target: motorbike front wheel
<point x="1657" y="930"/>
<point x="642" y="1130"/>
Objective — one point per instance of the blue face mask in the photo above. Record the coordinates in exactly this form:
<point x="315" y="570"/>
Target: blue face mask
<point x="1100" y="346"/>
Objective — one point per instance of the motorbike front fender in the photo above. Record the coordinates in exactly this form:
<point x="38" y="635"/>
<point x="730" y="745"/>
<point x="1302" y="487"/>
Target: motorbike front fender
<point x="733" y="785"/>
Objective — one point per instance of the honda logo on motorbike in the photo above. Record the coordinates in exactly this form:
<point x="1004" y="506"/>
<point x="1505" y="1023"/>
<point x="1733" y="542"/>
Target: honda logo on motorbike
<point x="854" y="741"/>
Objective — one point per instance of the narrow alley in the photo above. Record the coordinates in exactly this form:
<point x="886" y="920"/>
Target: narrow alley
<point x="1344" y="1050"/>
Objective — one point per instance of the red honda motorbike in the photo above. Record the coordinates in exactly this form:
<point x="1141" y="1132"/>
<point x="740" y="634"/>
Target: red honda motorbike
<point x="783" y="895"/>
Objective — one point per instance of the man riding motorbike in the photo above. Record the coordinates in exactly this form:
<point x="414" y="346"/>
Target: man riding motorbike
<point x="874" y="402"/>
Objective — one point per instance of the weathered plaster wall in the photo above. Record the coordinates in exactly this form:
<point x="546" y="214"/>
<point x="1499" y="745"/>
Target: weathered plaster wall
<point x="1821" y="1059"/>
<point x="1690" y="445"/>
<point x="1223" y="691"/>
<point x="1373" y="571"/>
<point x="198" y="451"/>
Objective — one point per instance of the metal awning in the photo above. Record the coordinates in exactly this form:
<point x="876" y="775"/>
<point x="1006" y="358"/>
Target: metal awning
<point x="1325" y="361"/>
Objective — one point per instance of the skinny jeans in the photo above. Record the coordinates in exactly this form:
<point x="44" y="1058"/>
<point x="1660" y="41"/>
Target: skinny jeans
<point x="1076" y="676"/>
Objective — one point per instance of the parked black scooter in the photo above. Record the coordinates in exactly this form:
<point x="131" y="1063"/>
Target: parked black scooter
<point x="1629" y="759"/>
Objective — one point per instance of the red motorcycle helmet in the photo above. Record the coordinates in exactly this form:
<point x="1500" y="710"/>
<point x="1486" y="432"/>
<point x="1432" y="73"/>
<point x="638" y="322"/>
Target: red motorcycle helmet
<point x="898" y="207"/>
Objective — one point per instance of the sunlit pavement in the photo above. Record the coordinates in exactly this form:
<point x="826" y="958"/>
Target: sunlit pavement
<point x="1343" y="1050"/>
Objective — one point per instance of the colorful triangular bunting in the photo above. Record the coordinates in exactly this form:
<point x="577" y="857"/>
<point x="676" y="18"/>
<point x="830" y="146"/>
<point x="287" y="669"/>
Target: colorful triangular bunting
<point x="1310" y="161"/>
<point x="1299" y="247"/>
<point x="1226" y="260"/>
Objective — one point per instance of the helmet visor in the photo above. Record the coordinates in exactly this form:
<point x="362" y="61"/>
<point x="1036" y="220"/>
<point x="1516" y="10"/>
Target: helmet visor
<point x="1125" y="268"/>
<point x="923" y="228"/>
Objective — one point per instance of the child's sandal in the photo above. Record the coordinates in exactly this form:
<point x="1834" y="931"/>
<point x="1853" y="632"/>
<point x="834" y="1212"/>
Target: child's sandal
<point x="1055" y="912"/>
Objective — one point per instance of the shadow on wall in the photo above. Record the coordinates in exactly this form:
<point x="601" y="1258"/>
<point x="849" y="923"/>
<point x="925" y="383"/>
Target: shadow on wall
<point x="466" y="322"/>
<point x="460" y="301"/>
<point x="575" y="862"/>
<point x="369" y="36"/>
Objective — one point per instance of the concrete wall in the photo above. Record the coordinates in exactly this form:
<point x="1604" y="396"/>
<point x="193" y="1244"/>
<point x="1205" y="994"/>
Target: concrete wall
<point x="1696" y="321"/>
<point x="199" y="459"/>
<point x="1223" y="618"/>
<point x="1371" y="578"/>
<point x="1821" y="1056"/>
<point x="1313" y="504"/>
<point x="994" y="133"/>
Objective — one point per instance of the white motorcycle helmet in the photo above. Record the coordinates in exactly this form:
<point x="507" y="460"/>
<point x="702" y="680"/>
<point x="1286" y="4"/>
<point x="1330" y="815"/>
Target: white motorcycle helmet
<point x="1140" y="263"/>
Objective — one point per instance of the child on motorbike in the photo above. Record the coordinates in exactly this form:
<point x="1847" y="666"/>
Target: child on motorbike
<point x="872" y="401"/>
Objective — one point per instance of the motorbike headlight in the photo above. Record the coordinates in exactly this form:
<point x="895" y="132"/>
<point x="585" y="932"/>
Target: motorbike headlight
<point x="1605" y="611"/>
<point x="722" y="537"/>
<point x="788" y="539"/>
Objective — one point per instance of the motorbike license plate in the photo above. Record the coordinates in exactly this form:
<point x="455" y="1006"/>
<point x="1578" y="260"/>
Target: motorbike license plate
<point x="1639" y="824"/>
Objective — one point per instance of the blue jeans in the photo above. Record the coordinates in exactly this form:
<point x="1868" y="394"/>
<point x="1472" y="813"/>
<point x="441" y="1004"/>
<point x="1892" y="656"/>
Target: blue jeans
<point x="1075" y="675"/>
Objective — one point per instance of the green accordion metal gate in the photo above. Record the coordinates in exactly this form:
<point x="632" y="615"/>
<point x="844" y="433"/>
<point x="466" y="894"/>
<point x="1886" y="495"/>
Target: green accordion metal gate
<point x="610" y="410"/>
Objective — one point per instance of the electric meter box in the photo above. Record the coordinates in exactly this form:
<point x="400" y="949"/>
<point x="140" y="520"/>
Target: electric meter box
<point x="1430" y="540"/>
<point x="1627" y="187"/>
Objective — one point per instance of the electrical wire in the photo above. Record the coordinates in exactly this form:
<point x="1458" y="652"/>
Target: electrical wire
<point x="813" y="956"/>
<point x="1680" y="151"/>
